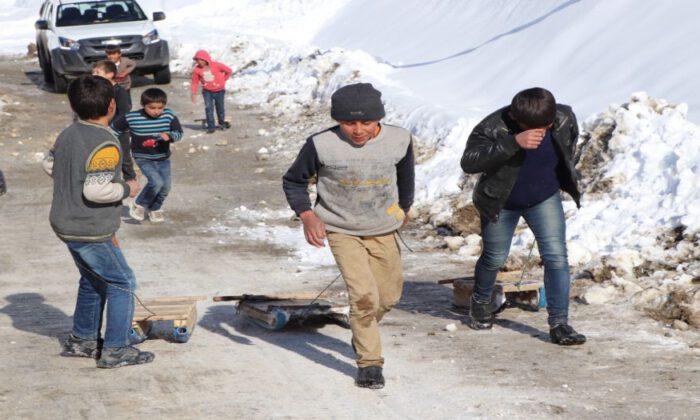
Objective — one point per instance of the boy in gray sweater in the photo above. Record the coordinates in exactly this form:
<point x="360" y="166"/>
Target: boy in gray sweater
<point x="365" y="188"/>
<point x="85" y="164"/>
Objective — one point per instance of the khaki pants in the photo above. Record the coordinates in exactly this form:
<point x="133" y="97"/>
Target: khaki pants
<point x="371" y="268"/>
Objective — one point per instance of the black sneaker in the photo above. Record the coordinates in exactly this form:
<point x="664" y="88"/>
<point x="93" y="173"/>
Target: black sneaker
<point x="80" y="347"/>
<point x="370" y="377"/>
<point x="480" y="315"/>
<point x="565" y="335"/>
<point x="123" y="356"/>
<point x="225" y="126"/>
<point x="211" y="130"/>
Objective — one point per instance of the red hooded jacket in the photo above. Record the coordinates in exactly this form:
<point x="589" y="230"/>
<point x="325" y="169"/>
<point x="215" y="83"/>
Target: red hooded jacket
<point x="213" y="76"/>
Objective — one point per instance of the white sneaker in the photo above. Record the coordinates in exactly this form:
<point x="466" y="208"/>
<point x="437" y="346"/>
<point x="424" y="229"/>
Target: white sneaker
<point x="136" y="212"/>
<point x="156" y="216"/>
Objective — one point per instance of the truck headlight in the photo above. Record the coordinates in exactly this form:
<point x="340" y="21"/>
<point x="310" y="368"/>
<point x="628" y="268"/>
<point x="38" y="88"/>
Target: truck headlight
<point x="151" y="37"/>
<point x="68" y="44"/>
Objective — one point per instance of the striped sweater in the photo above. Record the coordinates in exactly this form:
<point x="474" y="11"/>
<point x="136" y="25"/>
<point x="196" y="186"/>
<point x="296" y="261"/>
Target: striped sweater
<point x="146" y="131"/>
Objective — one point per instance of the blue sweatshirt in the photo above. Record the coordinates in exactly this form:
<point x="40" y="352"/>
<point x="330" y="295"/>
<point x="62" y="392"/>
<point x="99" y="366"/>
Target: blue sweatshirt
<point x="537" y="179"/>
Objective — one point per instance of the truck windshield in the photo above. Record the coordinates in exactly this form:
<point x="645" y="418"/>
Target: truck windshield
<point x="92" y="12"/>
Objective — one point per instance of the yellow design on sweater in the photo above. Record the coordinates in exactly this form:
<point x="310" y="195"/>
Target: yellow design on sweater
<point x="105" y="159"/>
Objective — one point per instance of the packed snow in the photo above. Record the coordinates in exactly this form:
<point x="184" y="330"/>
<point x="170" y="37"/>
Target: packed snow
<point x="442" y="67"/>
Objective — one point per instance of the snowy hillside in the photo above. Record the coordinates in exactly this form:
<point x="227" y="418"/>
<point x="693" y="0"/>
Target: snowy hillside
<point x="444" y="65"/>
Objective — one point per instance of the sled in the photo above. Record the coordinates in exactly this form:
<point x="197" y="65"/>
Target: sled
<point x="511" y="290"/>
<point x="179" y="313"/>
<point x="203" y="121"/>
<point x="274" y="312"/>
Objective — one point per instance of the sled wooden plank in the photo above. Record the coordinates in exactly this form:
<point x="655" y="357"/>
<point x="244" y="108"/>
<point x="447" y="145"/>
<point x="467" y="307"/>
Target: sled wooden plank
<point x="174" y="299"/>
<point x="278" y="296"/>
<point x="167" y="308"/>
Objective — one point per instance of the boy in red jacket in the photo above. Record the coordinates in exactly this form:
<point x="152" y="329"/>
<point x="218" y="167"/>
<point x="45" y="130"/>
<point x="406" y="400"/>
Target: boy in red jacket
<point x="213" y="76"/>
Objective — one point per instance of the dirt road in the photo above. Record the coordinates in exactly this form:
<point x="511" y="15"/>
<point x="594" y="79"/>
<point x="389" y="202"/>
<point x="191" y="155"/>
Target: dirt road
<point x="632" y="367"/>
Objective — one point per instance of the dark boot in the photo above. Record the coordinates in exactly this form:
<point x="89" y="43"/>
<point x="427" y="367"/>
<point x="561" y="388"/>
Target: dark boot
<point x="480" y="315"/>
<point x="79" y="347"/>
<point x="565" y="335"/>
<point x="370" y="377"/>
<point x="123" y="356"/>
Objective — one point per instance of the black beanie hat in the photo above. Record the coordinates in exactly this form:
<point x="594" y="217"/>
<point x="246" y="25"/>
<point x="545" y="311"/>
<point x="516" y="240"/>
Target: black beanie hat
<point x="360" y="101"/>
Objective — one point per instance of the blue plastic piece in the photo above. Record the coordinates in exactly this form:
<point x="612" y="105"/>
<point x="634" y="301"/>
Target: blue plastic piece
<point x="135" y="337"/>
<point x="543" y="298"/>
<point x="181" y="334"/>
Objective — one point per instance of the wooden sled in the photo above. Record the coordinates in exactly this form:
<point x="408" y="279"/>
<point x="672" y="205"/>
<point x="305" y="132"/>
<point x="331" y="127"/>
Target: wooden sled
<point x="181" y="311"/>
<point x="509" y="291"/>
<point x="274" y="312"/>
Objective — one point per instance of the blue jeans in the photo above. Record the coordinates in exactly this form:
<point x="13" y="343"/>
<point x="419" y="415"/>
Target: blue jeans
<point x="105" y="278"/>
<point x="212" y="99"/>
<point x="157" y="188"/>
<point x="546" y="220"/>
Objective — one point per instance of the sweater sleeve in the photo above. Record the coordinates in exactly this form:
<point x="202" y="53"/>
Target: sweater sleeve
<point x="296" y="181"/>
<point x="119" y="125"/>
<point x="101" y="167"/>
<point x="128" y="66"/>
<point x="195" y="81"/>
<point x="121" y="98"/>
<point x="226" y="70"/>
<point x="175" y="132"/>
<point x="405" y="178"/>
<point x="128" y="171"/>
<point x="47" y="163"/>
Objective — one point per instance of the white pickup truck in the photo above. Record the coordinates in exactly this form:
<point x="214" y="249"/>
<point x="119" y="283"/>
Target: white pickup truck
<point x="71" y="35"/>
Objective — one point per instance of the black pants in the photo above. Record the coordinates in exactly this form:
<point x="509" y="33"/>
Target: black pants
<point x="3" y="186"/>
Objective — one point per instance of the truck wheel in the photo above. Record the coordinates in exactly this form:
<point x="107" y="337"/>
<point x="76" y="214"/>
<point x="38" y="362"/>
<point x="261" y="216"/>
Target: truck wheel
<point x="60" y="84"/>
<point x="45" y="68"/>
<point x="162" y="76"/>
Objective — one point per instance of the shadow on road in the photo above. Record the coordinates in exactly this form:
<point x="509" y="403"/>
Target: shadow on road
<point x="305" y="341"/>
<point x="29" y="313"/>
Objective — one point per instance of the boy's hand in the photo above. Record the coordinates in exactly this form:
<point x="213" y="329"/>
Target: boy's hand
<point x="314" y="229"/>
<point x="194" y="98"/>
<point x="164" y="136"/>
<point x="134" y="188"/>
<point x="406" y="219"/>
<point x="530" y="139"/>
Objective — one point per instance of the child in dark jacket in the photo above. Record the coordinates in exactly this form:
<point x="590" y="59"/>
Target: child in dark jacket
<point x="213" y="76"/>
<point x="108" y="70"/>
<point x="152" y="129"/>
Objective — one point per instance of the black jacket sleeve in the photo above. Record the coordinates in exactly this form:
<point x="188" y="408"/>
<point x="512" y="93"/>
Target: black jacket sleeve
<point x="489" y="145"/>
<point x="296" y="180"/>
<point x="122" y="100"/>
<point x="127" y="163"/>
<point x="405" y="178"/>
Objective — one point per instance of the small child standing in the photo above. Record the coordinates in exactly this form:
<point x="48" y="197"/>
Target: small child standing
<point x="108" y="70"/>
<point x="87" y="193"/>
<point x="213" y="76"/>
<point x="152" y="129"/>
<point x="124" y="65"/>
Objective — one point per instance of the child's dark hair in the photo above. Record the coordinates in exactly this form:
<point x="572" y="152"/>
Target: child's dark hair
<point x="534" y="107"/>
<point x="106" y="66"/>
<point x="112" y="48"/>
<point x="152" y="95"/>
<point x="90" y="96"/>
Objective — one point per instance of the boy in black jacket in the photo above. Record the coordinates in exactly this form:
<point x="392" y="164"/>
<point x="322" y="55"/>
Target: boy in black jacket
<point x="108" y="70"/>
<point x="525" y="153"/>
